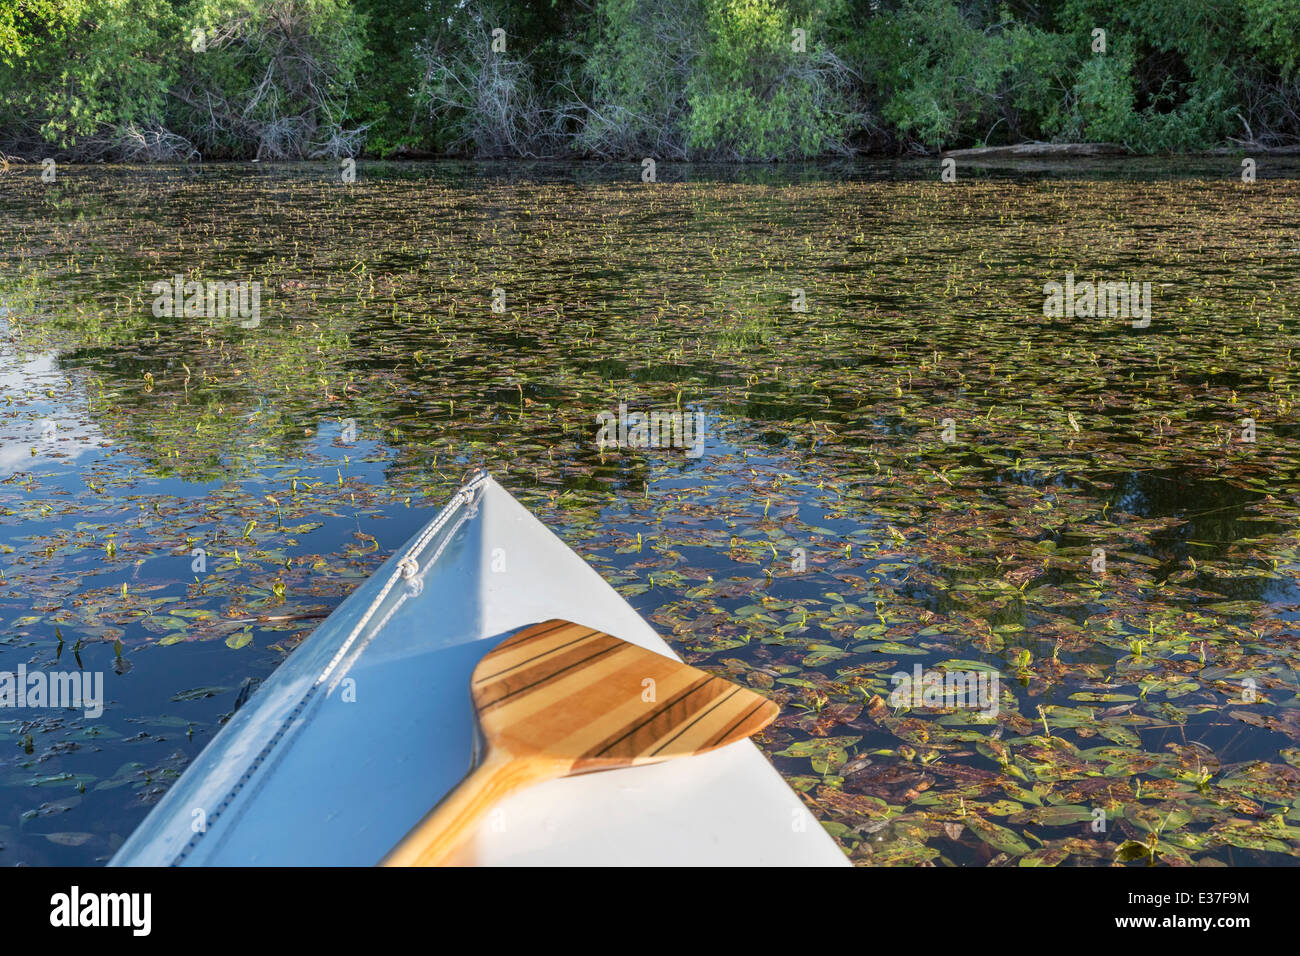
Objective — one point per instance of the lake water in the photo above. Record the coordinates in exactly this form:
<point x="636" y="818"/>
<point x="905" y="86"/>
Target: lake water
<point x="903" y="462"/>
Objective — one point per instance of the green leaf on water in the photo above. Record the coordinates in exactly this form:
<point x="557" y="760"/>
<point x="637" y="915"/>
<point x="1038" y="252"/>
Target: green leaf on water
<point x="69" y="839"/>
<point x="998" y="837"/>
<point x="199" y="693"/>
<point x="1131" y="850"/>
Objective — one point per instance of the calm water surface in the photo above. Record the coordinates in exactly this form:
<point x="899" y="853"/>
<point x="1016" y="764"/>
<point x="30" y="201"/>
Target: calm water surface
<point x="921" y="468"/>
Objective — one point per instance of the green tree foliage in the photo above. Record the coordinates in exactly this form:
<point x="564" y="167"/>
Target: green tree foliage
<point x="766" y="86"/>
<point x="1272" y="28"/>
<point x="82" y="76"/>
<point x="939" y="72"/>
<point x="641" y="61"/>
<point x="390" y="74"/>
<point x="675" y="79"/>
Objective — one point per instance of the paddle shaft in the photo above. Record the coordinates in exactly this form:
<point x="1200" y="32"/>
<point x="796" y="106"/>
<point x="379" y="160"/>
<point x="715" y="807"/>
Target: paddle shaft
<point x="446" y="826"/>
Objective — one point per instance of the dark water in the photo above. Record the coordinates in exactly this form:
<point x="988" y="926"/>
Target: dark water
<point x="828" y="536"/>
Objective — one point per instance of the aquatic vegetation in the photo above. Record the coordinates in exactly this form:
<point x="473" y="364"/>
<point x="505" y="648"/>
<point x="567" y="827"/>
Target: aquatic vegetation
<point x="921" y="469"/>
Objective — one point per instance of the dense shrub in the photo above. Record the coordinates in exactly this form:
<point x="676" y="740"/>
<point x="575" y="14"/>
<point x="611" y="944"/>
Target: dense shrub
<point x="636" y="76"/>
<point x="675" y="79"/>
<point x="271" y="78"/>
<point x="80" y="77"/>
<point x="760" y="91"/>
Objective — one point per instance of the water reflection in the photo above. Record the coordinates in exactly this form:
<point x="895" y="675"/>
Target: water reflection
<point x="835" y="529"/>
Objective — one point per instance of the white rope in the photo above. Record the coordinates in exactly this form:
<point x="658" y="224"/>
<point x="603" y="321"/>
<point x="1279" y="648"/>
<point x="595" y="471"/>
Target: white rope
<point x="468" y="493"/>
<point x="406" y="568"/>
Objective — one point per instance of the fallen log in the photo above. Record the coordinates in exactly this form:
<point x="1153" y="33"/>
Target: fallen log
<point x="1038" y="151"/>
<point x="1252" y="148"/>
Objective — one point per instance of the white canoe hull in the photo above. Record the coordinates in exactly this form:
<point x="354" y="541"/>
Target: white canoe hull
<point x="368" y="723"/>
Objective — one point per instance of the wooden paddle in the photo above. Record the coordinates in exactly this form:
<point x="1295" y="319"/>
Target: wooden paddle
<point x="559" y="699"/>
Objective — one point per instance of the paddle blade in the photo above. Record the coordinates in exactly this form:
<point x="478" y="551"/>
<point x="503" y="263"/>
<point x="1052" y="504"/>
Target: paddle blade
<point x="568" y="693"/>
<point x="558" y="699"/>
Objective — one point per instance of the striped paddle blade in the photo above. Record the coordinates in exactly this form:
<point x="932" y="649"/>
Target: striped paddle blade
<point x="563" y="691"/>
<point x="558" y="699"/>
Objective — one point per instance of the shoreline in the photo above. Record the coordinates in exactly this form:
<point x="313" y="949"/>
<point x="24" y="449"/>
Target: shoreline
<point x="1017" y="151"/>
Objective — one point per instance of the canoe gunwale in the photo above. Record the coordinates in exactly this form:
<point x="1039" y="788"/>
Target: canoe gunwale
<point x="408" y="568"/>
